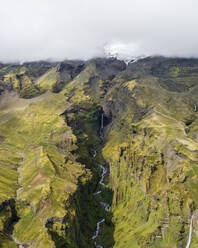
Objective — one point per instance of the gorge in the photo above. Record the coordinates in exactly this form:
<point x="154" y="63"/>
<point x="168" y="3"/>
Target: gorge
<point x="99" y="153"/>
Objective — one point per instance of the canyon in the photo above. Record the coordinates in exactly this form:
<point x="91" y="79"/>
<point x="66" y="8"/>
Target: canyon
<point x="99" y="153"/>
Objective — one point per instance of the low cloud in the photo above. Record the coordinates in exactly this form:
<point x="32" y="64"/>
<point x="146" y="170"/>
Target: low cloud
<point x="49" y="29"/>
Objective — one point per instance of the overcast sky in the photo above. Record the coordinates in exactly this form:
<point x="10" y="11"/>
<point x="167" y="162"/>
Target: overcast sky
<point x="59" y="29"/>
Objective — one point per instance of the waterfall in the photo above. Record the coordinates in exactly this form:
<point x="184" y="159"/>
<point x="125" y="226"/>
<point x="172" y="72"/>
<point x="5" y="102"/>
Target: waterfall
<point x="101" y="125"/>
<point x="195" y="107"/>
<point x="102" y="121"/>
<point x="190" y="233"/>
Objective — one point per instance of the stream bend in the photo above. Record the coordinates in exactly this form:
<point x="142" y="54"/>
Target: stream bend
<point x="104" y="204"/>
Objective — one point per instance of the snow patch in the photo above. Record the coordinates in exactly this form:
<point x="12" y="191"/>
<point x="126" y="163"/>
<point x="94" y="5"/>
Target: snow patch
<point x="126" y="52"/>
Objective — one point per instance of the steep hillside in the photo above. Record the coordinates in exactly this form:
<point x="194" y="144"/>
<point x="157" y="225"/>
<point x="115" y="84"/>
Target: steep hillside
<point x="99" y="145"/>
<point x="152" y="150"/>
<point x="38" y="171"/>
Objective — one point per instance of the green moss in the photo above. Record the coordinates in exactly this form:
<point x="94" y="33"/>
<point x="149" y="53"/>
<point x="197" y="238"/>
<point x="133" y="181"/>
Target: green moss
<point x="150" y="144"/>
<point x="39" y="141"/>
<point x="49" y="80"/>
<point x="175" y="71"/>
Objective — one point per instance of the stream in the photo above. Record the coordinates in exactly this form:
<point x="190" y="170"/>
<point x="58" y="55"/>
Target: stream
<point x="102" y="184"/>
<point x="104" y="204"/>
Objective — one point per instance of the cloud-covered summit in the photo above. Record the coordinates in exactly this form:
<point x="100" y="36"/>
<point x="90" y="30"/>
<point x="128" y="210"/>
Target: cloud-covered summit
<point x="35" y="29"/>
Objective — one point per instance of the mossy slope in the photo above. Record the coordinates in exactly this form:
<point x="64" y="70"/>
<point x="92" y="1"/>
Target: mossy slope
<point x="47" y="144"/>
<point x="153" y="154"/>
<point x="40" y="173"/>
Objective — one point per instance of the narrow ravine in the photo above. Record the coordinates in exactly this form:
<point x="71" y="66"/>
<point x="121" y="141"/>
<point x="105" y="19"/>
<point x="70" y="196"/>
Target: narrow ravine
<point x="104" y="204"/>
<point x="190" y="233"/>
<point x="102" y="186"/>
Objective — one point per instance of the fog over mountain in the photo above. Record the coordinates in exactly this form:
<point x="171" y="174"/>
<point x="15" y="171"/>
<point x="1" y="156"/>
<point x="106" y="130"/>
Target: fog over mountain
<point x="34" y="29"/>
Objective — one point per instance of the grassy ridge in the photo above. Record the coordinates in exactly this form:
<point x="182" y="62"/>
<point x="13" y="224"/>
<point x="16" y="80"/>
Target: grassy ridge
<point x="38" y="141"/>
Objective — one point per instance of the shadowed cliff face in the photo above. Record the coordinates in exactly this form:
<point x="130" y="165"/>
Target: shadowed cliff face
<point x="50" y="117"/>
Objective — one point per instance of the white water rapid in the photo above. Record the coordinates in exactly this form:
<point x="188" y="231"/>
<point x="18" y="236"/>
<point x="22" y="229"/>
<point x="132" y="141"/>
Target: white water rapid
<point x="104" y="171"/>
